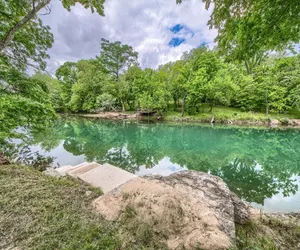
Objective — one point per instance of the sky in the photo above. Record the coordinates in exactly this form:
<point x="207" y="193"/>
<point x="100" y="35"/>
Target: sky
<point x="159" y="30"/>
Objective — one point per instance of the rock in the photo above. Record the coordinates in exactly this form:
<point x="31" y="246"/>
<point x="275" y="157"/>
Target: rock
<point x="3" y="159"/>
<point x="274" y="122"/>
<point x="88" y="193"/>
<point x="52" y="172"/>
<point x="189" y="209"/>
<point x="241" y="210"/>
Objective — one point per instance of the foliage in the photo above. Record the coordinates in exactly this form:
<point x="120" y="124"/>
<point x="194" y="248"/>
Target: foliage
<point x="246" y="28"/>
<point x="115" y="58"/>
<point x="24" y="39"/>
<point x="54" y="89"/>
<point x="24" y="103"/>
<point x="201" y="77"/>
<point x="84" y="96"/>
<point x="106" y="102"/>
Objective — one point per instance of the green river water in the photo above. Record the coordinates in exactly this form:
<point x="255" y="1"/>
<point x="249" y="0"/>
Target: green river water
<point x="261" y="165"/>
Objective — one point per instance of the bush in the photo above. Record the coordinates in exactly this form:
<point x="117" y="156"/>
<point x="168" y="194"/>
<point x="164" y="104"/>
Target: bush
<point x="106" y="102"/>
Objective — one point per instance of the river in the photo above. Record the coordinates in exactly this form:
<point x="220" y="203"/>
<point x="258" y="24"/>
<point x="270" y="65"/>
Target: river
<point x="261" y="165"/>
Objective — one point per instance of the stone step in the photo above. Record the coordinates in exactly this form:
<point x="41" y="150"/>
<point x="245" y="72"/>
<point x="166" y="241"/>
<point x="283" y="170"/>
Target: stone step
<point x="106" y="176"/>
<point x="82" y="168"/>
<point x="63" y="170"/>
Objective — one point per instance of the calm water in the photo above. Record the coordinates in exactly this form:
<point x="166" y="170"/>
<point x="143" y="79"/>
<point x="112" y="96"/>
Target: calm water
<point x="261" y="165"/>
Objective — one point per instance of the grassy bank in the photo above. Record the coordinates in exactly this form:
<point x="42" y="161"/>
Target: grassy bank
<point x="225" y="114"/>
<point x="45" y="213"/>
<point x="42" y="212"/>
<point x="269" y="234"/>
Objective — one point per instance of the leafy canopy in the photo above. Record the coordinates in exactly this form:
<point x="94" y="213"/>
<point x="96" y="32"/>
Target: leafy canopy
<point x="248" y="27"/>
<point x="24" y="39"/>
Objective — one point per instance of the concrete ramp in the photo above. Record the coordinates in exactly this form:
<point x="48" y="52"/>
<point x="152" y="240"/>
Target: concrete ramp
<point x="106" y="176"/>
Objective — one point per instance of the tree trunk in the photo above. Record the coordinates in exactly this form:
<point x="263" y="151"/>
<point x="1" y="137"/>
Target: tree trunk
<point x="175" y="104"/>
<point x="183" y="105"/>
<point x="123" y="106"/>
<point x="267" y="103"/>
<point x="211" y="107"/>
<point x="10" y="34"/>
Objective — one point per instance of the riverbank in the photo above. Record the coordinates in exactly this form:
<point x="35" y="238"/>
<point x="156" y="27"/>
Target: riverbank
<point x="43" y="212"/>
<point x="219" y="116"/>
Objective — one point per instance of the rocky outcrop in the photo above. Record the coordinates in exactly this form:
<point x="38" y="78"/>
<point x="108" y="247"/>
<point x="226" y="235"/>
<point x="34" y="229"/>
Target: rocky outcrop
<point x="3" y="159"/>
<point x="187" y="209"/>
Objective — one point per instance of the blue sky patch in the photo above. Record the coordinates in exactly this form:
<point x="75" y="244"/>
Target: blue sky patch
<point x="178" y="27"/>
<point x="181" y="29"/>
<point x="176" y="41"/>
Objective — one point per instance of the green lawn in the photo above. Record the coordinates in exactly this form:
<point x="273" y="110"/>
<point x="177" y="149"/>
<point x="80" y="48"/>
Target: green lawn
<point x="222" y="113"/>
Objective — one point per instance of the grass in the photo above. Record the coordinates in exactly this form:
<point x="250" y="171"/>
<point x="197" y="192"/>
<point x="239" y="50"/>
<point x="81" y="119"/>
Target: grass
<point x="136" y="231"/>
<point x="268" y="234"/>
<point x="42" y="212"/>
<point x="223" y="114"/>
<point x="39" y="212"/>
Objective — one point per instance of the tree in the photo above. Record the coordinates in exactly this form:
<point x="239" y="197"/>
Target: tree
<point x="67" y="76"/>
<point x="172" y="73"/>
<point x="24" y="39"/>
<point x="200" y="70"/>
<point x="116" y="58"/>
<point x="151" y="91"/>
<point x="24" y="103"/>
<point x="54" y="89"/>
<point x="106" y="102"/>
<point x="247" y="27"/>
<point x="90" y="83"/>
<point x="221" y="88"/>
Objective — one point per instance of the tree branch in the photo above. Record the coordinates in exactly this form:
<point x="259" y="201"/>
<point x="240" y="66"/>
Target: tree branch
<point x="10" y="34"/>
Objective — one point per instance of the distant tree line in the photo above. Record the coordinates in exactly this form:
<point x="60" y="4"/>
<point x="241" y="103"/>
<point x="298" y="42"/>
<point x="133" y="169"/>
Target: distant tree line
<point x="114" y="81"/>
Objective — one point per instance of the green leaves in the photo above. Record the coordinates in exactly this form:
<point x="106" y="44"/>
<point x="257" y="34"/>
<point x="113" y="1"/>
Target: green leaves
<point x="248" y="27"/>
<point x="24" y="39"/>
<point x="94" y="5"/>
<point x="116" y="57"/>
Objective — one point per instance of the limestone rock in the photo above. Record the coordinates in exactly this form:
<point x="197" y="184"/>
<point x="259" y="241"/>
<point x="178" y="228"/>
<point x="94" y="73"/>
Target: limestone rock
<point x="189" y="209"/>
<point x="52" y="172"/>
<point x="241" y="210"/>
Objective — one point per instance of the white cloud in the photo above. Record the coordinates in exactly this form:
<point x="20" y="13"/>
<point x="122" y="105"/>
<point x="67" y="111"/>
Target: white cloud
<point x="145" y="25"/>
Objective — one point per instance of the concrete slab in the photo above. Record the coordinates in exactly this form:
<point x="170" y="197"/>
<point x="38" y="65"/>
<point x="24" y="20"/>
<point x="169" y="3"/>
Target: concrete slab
<point x="106" y="176"/>
<point x="82" y="168"/>
<point x="63" y="170"/>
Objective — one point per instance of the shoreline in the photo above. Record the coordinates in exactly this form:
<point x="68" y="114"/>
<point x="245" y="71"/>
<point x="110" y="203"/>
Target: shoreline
<point x="272" y="123"/>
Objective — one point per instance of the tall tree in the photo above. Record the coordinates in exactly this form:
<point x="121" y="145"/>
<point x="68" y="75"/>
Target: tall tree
<point x="67" y="76"/>
<point x="247" y="27"/>
<point x="116" y="58"/>
<point x="24" y="39"/>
